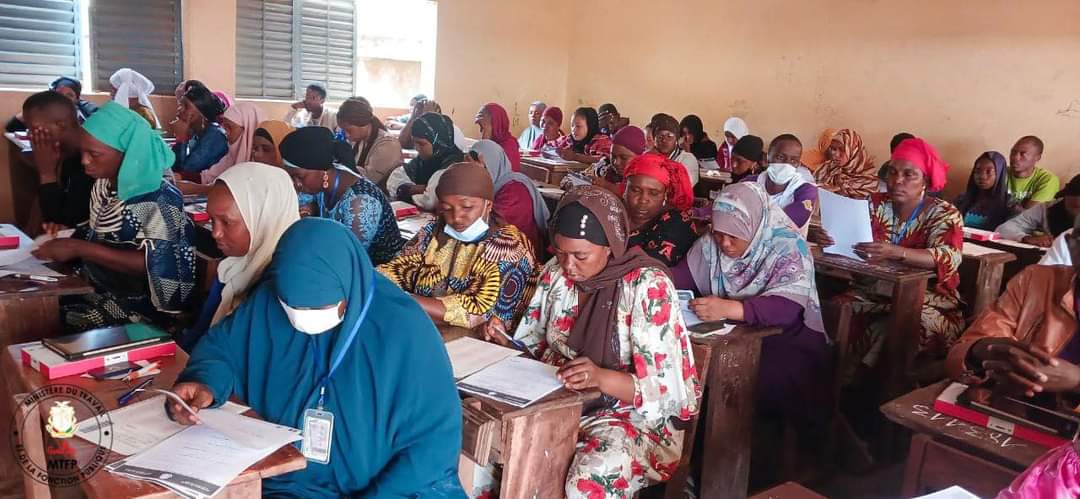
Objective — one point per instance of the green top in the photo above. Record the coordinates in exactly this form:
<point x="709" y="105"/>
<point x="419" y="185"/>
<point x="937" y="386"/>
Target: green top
<point x="1041" y="186"/>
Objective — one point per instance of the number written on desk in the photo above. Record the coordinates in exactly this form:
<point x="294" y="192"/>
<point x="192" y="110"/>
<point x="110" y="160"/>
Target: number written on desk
<point x="969" y="430"/>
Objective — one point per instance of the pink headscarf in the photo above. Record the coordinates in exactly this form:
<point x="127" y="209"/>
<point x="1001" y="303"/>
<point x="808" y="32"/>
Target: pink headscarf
<point x="249" y="116"/>
<point x="500" y="133"/>
<point x="924" y="156"/>
<point x="224" y="98"/>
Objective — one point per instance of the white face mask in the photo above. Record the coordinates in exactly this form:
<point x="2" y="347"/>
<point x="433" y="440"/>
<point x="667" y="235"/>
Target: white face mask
<point x="470" y="234"/>
<point x="781" y="173"/>
<point x="313" y="320"/>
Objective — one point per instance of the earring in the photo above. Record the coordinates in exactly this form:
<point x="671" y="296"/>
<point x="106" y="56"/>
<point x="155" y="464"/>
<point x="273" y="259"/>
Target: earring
<point x="325" y="180"/>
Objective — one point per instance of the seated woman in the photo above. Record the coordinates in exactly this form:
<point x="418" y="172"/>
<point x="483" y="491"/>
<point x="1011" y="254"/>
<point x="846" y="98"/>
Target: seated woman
<point x="985" y="204"/>
<point x="585" y="144"/>
<point x="658" y="201"/>
<point x="694" y="140"/>
<point x="666" y="134"/>
<point x="264" y="144"/>
<point x="755" y="268"/>
<point x="239" y="122"/>
<point x="466" y="267"/>
<point x="138" y="248"/>
<point x="200" y="140"/>
<point x="433" y="137"/>
<point x="320" y="166"/>
<point x="734" y="129"/>
<point x="1040" y="224"/>
<point x="789" y="184"/>
<point x="917" y="230"/>
<point x="494" y="125"/>
<point x="347" y="342"/>
<point x="551" y="123"/>
<point x="603" y="313"/>
<point x="250" y="205"/>
<point x="512" y="190"/>
<point x="132" y="90"/>
<point x="627" y="144"/>
<point x="849" y="169"/>
<point x="747" y="157"/>
<point x="375" y="152"/>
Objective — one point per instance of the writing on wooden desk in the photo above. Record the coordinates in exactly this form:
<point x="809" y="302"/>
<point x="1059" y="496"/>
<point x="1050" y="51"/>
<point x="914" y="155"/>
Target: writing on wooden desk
<point x="968" y="430"/>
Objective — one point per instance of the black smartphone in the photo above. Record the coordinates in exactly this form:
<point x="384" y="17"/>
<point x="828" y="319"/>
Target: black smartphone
<point x="114" y="371"/>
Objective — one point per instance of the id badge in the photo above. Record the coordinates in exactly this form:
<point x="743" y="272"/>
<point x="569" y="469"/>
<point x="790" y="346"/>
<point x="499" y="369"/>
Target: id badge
<point x="318" y="435"/>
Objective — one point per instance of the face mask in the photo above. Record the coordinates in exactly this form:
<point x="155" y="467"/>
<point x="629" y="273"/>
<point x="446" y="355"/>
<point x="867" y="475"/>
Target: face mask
<point x="781" y="173"/>
<point x="312" y="320"/>
<point x="472" y="233"/>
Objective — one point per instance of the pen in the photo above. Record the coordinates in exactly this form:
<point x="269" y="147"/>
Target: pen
<point x="149" y="369"/>
<point x="125" y="398"/>
<point x="41" y="278"/>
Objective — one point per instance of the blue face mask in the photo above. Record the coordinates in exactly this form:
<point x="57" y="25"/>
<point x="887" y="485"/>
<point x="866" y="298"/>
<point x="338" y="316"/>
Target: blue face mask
<point x="470" y="234"/>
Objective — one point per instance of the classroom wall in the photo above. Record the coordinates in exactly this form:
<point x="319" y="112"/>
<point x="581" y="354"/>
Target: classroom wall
<point x="968" y="75"/>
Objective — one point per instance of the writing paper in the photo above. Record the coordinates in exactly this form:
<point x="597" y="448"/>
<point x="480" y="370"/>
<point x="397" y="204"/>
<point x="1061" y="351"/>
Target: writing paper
<point x="846" y="220"/>
<point x="517" y="381"/>
<point x="142" y="425"/>
<point x="468" y="355"/>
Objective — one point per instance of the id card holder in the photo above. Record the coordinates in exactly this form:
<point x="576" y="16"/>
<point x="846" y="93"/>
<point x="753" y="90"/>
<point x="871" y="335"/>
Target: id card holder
<point x="318" y="435"/>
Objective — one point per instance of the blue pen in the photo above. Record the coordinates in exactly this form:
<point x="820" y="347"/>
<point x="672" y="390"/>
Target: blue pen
<point x="125" y="398"/>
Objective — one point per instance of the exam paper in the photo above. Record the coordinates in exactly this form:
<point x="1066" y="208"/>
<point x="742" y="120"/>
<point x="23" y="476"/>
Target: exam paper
<point x="468" y="355"/>
<point x="689" y="317"/>
<point x="846" y="220"/>
<point x="29" y="266"/>
<point x="517" y="381"/>
<point x="142" y="425"/>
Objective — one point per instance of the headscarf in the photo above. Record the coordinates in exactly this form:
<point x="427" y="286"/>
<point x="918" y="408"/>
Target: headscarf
<point x="129" y="83"/>
<point x="776" y="263"/>
<point x="358" y="111"/>
<point x="736" y="127"/>
<point x="314" y="148"/>
<point x="750" y="147"/>
<point x="814" y="158"/>
<point x="466" y="179"/>
<point x="854" y="173"/>
<point x="680" y="194"/>
<point x="208" y="104"/>
<point x="275" y="131"/>
<point x="499" y="167"/>
<point x="439" y="130"/>
<point x="702" y="148"/>
<point x="500" y="133"/>
<point x="248" y="116"/>
<point x="924" y="156"/>
<point x="998" y="212"/>
<point x="67" y="82"/>
<point x="146" y="156"/>
<point x="592" y="127"/>
<point x="554" y="113"/>
<point x="319" y="262"/>
<point x="268" y="204"/>
<point x="224" y="98"/>
<point x="632" y="138"/>
<point x="594" y="332"/>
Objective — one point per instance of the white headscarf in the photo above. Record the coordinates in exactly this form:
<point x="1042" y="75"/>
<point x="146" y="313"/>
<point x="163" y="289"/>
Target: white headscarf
<point x="736" y="127"/>
<point x="129" y="83"/>
<point x="267" y="202"/>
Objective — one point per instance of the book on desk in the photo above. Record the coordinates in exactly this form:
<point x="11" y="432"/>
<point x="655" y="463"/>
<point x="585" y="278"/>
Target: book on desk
<point x="1008" y="415"/>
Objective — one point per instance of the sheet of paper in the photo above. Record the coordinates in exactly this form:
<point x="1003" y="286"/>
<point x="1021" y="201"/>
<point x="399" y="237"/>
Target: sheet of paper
<point x="517" y="381"/>
<point x="721" y="331"/>
<point x="410" y="226"/>
<point x="142" y="425"/>
<point x="972" y="249"/>
<point x="29" y="266"/>
<point x="1018" y="244"/>
<point x="846" y="220"/>
<point x="689" y="317"/>
<point x="954" y="492"/>
<point x="468" y="355"/>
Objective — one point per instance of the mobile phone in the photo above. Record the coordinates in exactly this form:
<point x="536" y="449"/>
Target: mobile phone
<point x="113" y="371"/>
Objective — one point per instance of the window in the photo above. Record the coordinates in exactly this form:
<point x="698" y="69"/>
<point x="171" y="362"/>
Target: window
<point x="396" y="50"/>
<point x="264" y="55"/>
<point x="143" y="35"/>
<point x="328" y="46"/>
<point x="39" y="41"/>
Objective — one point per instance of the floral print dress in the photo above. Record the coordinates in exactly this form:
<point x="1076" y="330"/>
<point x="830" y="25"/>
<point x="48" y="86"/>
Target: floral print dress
<point x="622" y="447"/>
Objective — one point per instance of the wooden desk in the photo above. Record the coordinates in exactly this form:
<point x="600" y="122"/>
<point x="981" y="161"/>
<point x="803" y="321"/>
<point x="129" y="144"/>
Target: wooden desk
<point x="708" y="182"/>
<point x="981" y="276"/>
<point x="549" y="171"/>
<point x="729" y="410"/>
<point x="30" y="310"/>
<point x="19" y="187"/>
<point x="946" y="451"/>
<point x="1026" y="254"/>
<point x="22" y="379"/>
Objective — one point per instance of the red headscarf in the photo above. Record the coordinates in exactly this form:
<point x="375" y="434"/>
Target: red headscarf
<point x="500" y="133"/>
<point x="924" y="156"/>
<point x="554" y="113"/>
<point x="670" y="173"/>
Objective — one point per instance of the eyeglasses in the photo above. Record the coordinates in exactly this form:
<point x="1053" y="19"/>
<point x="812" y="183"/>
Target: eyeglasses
<point x="665" y="136"/>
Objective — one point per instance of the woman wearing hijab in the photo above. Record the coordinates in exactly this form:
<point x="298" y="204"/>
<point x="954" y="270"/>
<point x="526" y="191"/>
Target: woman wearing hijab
<point x="666" y="133"/>
<point x="627" y="144"/>
<point x="200" y="140"/>
<point x="467" y="266"/>
<point x="849" y="168"/>
<point x="814" y="158"/>
<point x="917" y="230"/>
<point x="239" y="122"/>
<point x="132" y="90"/>
<point x="264" y="143"/>
<point x="747" y="157"/>
<point x="985" y="204"/>
<point x="494" y="125"/>
<point x="658" y="203"/>
<point x="551" y="123"/>
<point x="250" y="206"/>
<point x="585" y="144"/>
<point x="433" y="138"/>
<point x="789" y="184"/>
<point x="72" y="89"/>
<point x="734" y="129"/>
<point x="694" y="139"/>
<point x="348" y="343"/>
<point x="511" y="190"/>
<point x="320" y="166"/>
<point x="137" y="249"/>
<point x="603" y="313"/>
<point x="376" y="153"/>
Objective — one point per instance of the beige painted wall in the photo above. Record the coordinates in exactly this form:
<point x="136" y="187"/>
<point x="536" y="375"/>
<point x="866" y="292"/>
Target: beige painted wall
<point x="968" y="75"/>
<point x="210" y="43"/>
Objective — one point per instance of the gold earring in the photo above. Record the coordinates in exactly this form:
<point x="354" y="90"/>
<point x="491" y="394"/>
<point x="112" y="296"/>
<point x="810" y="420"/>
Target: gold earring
<point x="325" y="180"/>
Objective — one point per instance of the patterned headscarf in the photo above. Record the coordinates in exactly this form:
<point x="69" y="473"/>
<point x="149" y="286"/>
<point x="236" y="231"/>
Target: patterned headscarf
<point x="776" y="263"/>
<point x="854" y="173"/>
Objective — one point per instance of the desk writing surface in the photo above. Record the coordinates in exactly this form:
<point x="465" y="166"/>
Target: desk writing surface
<point x="17" y="288"/>
<point x="888" y="271"/>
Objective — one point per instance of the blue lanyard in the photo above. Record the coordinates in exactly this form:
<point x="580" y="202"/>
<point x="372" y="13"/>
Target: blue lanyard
<point x="333" y="194"/>
<point x="903" y="228"/>
<point x="370" y="293"/>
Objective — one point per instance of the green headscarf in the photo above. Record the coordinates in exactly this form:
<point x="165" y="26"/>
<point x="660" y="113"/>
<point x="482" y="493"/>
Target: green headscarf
<point x="146" y="156"/>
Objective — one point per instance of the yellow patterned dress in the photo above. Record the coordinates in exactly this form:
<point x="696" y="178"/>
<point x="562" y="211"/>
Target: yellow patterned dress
<point x="494" y="276"/>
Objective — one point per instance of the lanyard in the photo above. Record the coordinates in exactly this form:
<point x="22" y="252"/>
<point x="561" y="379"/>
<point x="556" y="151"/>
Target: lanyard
<point x="903" y="228"/>
<point x="333" y="198"/>
<point x="344" y="348"/>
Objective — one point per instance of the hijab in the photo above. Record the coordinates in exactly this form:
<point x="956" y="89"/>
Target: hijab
<point x="500" y="133"/>
<point x="776" y="263"/>
<point x="680" y="194"/>
<point x="314" y="148"/>
<point x="814" y="158"/>
<point x="146" y="156"/>
<point x="248" y="116"/>
<point x="702" y="148"/>
<point x="501" y="174"/>
<point x="130" y="84"/>
<point x="439" y="130"/>
<point x="592" y="127"/>
<point x="854" y="173"/>
<point x="267" y="203"/>
<point x="274" y="131"/>
<point x="600" y="214"/>
<point x="737" y="127"/>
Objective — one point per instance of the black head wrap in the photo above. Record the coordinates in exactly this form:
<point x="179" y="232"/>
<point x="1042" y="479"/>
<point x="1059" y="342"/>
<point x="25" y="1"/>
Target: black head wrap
<point x="314" y="148"/>
<point x="577" y="222"/>
<point x="71" y="83"/>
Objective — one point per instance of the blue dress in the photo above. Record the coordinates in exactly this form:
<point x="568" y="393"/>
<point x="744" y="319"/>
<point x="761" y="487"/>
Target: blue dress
<point x="366" y="211"/>
<point x="201" y="151"/>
